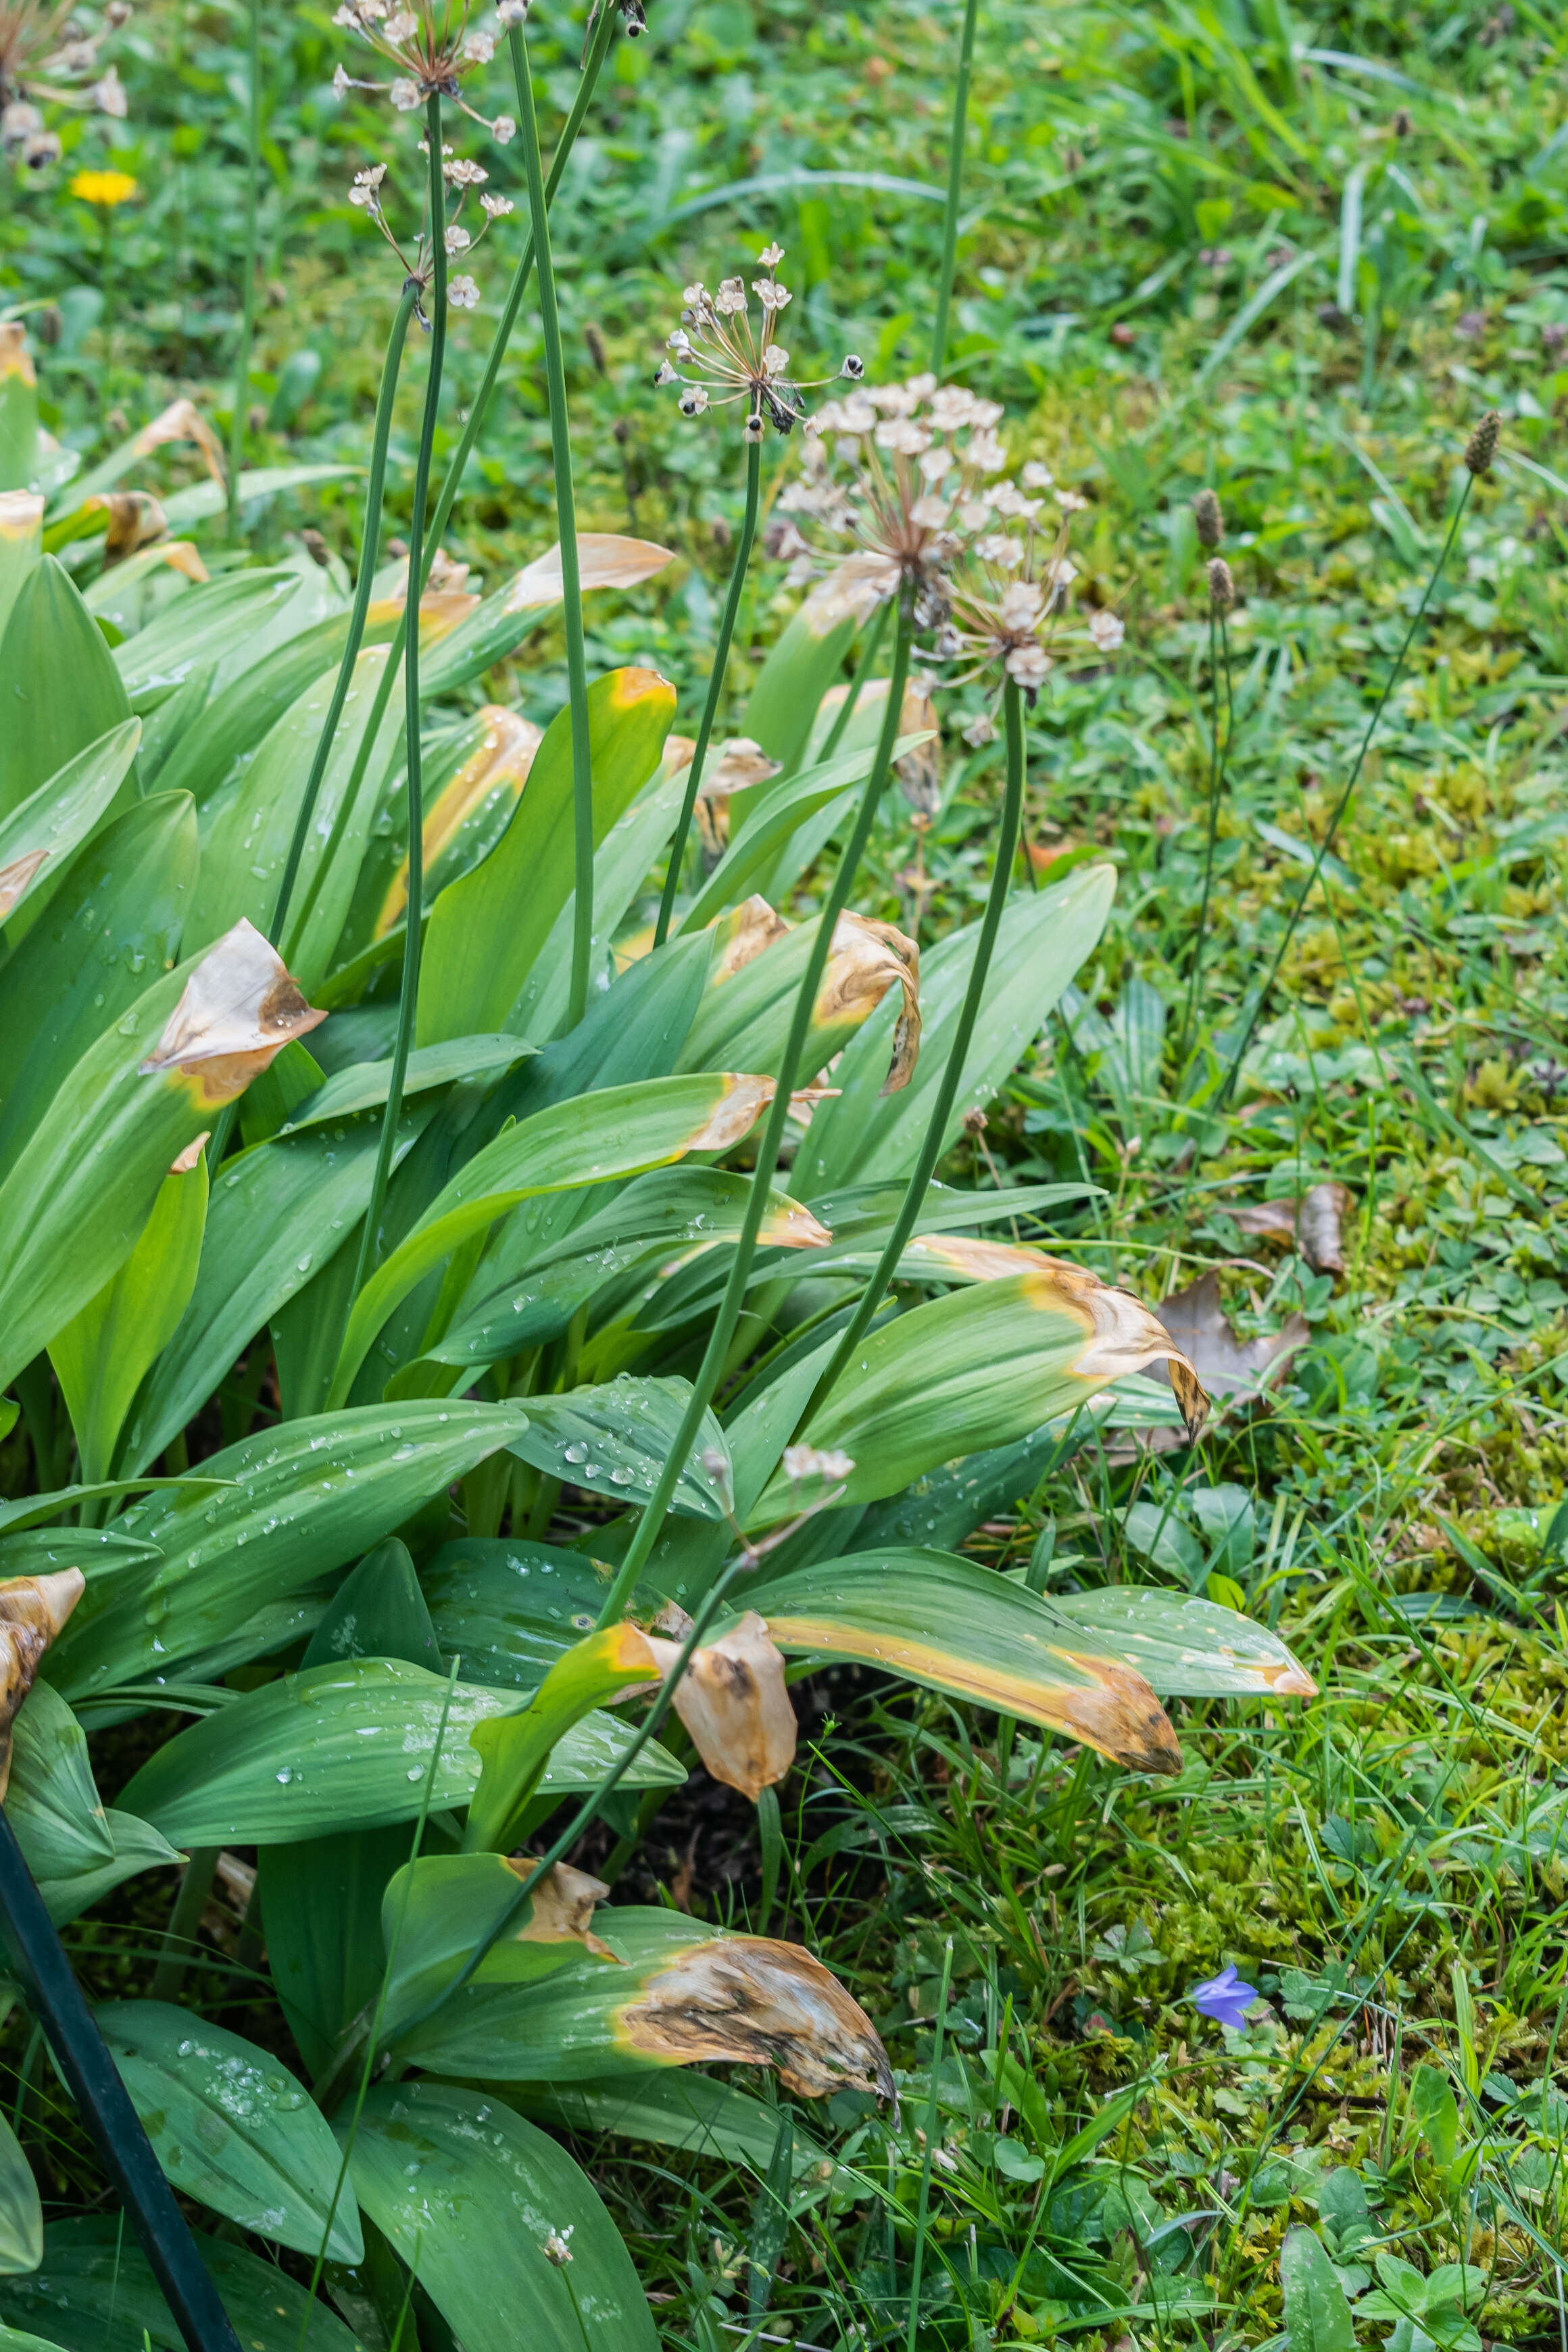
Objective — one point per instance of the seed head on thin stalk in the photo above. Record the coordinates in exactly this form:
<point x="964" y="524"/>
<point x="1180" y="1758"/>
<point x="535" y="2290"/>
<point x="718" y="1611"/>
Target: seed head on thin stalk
<point x="434" y="48"/>
<point x="462" y="292"/>
<point x="900" y="480"/>
<point x="1006" y="602"/>
<point x="1209" y="517"/>
<point x="1482" y="446"/>
<point x="726" y="362"/>
<point x="46" y="54"/>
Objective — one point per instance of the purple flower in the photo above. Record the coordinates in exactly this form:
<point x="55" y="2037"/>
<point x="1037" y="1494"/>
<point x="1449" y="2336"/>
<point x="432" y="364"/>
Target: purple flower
<point x="1227" y="1998"/>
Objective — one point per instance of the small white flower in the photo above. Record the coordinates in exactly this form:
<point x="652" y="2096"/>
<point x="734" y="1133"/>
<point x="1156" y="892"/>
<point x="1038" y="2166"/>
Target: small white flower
<point x="370" y="177"/>
<point x="504" y="131"/>
<point x="464" y="174"/>
<point x="803" y="1462"/>
<point x="1026" y="665"/>
<point x="731" y="297"/>
<point x="936" y="462"/>
<point x="1019" y="605"/>
<point x="679" y="342"/>
<point x="457" y="238"/>
<point x="462" y="293"/>
<point x="980" y="730"/>
<point x="771" y="296"/>
<point x="695" y="296"/>
<point x="1108" y="630"/>
<point x="405" y="97"/>
<point x="998" y="549"/>
<point x="693" y="399"/>
<point x="973" y="514"/>
<point x="496" y="207"/>
<point x="903" y="437"/>
<point x="771" y="256"/>
<point x="928" y="513"/>
<point x="558" y="2246"/>
<point x="1037" y="477"/>
<point x="665" y="375"/>
<point x="1070" y="502"/>
<point x="403" y="26"/>
<point x="341" y="81"/>
<point x="776" y="359"/>
<point x="1058" y="575"/>
<point x="987" y="453"/>
<point x="480" y="44"/>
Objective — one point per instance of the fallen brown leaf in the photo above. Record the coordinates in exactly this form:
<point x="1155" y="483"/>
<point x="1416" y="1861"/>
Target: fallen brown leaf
<point x="1226" y="1365"/>
<point x="1312" y="1221"/>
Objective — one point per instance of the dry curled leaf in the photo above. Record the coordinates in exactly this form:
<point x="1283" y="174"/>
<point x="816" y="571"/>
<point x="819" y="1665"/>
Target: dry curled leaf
<point x="741" y="936"/>
<point x="563" y="1906"/>
<point x="239" y="1009"/>
<point x="746" y="1099"/>
<point x="732" y="1700"/>
<point x="1226" y="1366"/>
<point x="752" y="2001"/>
<point x="1124" y="1336"/>
<point x="866" y="959"/>
<point x="604" y="559"/>
<point x="1313" y="1222"/>
<point x="183" y="421"/>
<point x="132" y="519"/>
<point x="33" y="1611"/>
<point x="15" y="879"/>
<point x="185" y="1161"/>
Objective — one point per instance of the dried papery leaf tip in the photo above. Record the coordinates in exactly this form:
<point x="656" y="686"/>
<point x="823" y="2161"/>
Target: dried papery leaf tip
<point x="747" y="1999"/>
<point x="1482" y="446"/>
<point x="33" y="1611"/>
<point x="732" y="1700"/>
<point x="1209" y="518"/>
<point x="239" y="1009"/>
<point x="1222" y="586"/>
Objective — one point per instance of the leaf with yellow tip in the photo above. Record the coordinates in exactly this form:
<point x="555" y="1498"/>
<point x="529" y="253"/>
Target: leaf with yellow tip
<point x="515" y="1749"/>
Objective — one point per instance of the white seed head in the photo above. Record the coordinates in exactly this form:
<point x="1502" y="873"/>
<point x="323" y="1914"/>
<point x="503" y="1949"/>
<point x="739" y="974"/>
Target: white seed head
<point x="1108" y="630"/>
<point x="828" y="1462"/>
<point x="457" y="238"/>
<point x="480" y="44"/>
<point x="731" y="297"/>
<point x="1035" y="477"/>
<point x="496" y="207"/>
<point x="693" y="399"/>
<point x="771" y="256"/>
<point x="854" y="367"/>
<point x="462" y="293"/>
<point x="405" y="97"/>
<point x="504" y="131"/>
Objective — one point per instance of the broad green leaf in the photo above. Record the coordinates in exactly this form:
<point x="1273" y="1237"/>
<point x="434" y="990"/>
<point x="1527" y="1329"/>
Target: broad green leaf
<point x="21" y="2214"/>
<point x="508" y="1609"/>
<point x="95" y="2292"/>
<point x="975" y="1370"/>
<point x="1184" y="1648"/>
<point x="614" y="1440"/>
<point x="862" y="1136"/>
<point x="956" y="1626"/>
<point x="202" y="499"/>
<point x="378" y="1611"/>
<point x="350" y="1746"/>
<point x="488" y="929"/>
<point x="245" y="847"/>
<point x="680" y="2110"/>
<point x="684" y="1993"/>
<point x="37" y="1510"/>
<point x="468" y="2193"/>
<point x="113" y="925"/>
<point x="59" y="689"/>
<point x="321" y="1900"/>
<point x="756" y="843"/>
<point x="616" y="1131"/>
<point x="604" y="559"/>
<point x="203" y="626"/>
<point x="1436" y="2114"/>
<point x="437" y="1908"/>
<point x="277" y="1216"/>
<point x="21" y="540"/>
<point x="37" y="834"/>
<point x="364" y="1086"/>
<point x="517" y="1749"/>
<point x="231" y="2126"/>
<point x="138" y="1846"/>
<point x="797" y="673"/>
<point x="304" y="1499"/>
<point x="620" y="869"/>
<point x="211" y="753"/>
<point x="1317" y="2317"/>
<point x="103" y="1354"/>
<point x="52" y="1801"/>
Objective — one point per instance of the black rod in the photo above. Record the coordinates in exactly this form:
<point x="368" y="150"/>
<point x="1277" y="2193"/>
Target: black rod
<point x="94" y="2082"/>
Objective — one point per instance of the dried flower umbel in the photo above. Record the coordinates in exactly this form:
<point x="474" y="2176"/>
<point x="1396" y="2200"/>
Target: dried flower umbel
<point x="462" y="292"/>
<point x="433" y="48"/>
<point x="1005" y="602"/>
<point x="727" y="361"/>
<point x="44" y="55"/>
<point x="900" y="482"/>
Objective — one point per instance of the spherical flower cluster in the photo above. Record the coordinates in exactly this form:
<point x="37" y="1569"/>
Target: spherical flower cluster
<point x="433" y="49"/>
<point x="462" y="290"/>
<point x="44" y="55"/>
<point x="725" y="361"/>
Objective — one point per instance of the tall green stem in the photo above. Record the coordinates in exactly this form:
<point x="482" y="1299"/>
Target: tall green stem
<point x="1310" y="884"/>
<point x="863" y="670"/>
<point x="1219" y="637"/>
<point x="409" y="996"/>
<point x="369" y="544"/>
<point x="955" y="184"/>
<point x="247" y="306"/>
<point x="715" y="689"/>
<point x="729" y="1312"/>
<point x="477" y="412"/>
<point x="953" y="1076"/>
<point x="566" y="524"/>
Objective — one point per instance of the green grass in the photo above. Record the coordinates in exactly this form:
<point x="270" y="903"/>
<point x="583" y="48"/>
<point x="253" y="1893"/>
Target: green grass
<point x="1191" y="254"/>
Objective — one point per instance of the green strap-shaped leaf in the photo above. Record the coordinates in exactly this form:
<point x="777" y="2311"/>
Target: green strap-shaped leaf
<point x="617" y="1131"/>
<point x="301" y="1500"/>
<point x="1184" y="1647"/>
<point x="38" y="833"/>
<point x="103" y="1354"/>
<point x="488" y="929"/>
<point x="614" y="1440"/>
<point x="517" y="1750"/>
<point x="231" y="2126"/>
<point x="205" y="625"/>
<point x="797" y="673"/>
<point x="21" y="2214"/>
<point x="682" y="2110"/>
<point x="95" y="2292"/>
<point x="469" y="2195"/>
<point x="351" y="1746"/>
<point x="435" y="1909"/>
<point x="91" y="953"/>
<point x="52" y="1801"/>
<point x="60" y="688"/>
<point x="509" y="1608"/>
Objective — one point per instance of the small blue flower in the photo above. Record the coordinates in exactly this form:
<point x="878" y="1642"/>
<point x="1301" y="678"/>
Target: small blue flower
<point x="1227" y="1998"/>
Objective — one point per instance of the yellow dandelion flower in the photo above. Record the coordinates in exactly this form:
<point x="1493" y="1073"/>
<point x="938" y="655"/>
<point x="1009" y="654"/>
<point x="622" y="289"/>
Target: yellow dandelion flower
<point x="105" y="188"/>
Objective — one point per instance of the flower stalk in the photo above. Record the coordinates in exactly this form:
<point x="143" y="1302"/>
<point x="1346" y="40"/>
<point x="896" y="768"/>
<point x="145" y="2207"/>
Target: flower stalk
<point x="412" y="940"/>
<point x="954" y="187"/>
<point x="1219" y="752"/>
<point x="727" y="1316"/>
<point x="566" y="527"/>
<point x="715" y="689"/>
<point x="247" y="306"/>
<point x="952" y="1074"/>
